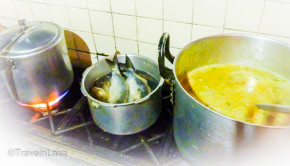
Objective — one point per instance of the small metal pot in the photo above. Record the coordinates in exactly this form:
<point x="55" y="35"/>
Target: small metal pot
<point x="206" y="137"/>
<point x="125" y="118"/>
<point x="34" y="62"/>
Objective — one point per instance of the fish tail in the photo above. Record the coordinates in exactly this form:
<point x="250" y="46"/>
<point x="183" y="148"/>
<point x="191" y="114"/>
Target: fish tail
<point x="144" y="81"/>
<point x="114" y="64"/>
<point x="129" y="64"/>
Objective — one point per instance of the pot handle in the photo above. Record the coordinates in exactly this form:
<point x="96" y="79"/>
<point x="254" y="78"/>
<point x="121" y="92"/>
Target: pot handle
<point x="163" y="51"/>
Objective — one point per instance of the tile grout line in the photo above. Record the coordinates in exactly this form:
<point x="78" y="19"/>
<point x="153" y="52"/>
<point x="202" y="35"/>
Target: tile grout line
<point x="176" y="47"/>
<point x="114" y="35"/>
<point x="283" y="2"/>
<point x="128" y="14"/>
<point x="30" y="7"/>
<point x="70" y="29"/>
<point x="192" y="14"/>
<point x="91" y="26"/>
<point x="139" y="17"/>
<point x="225" y="16"/>
<point x="163" y="22"/>
<point x="240" y="30"/>
<point x="49" y="12"/>
<point x="279" y="1"/>
<point x="262" y="15"/>
<point x="137" y="34"/>
<point x="15" y="7"/>
<point x="67" y="13"/>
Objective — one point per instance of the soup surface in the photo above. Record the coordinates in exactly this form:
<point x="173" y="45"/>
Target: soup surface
<point x="233" y="90"/>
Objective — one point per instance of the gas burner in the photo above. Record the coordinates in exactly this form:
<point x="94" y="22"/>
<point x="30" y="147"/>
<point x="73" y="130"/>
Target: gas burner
<point x="65" y="113"/>
<point x="70" y="126"/>
<point x="44" y="107"/>
<point x="69" y="116"/>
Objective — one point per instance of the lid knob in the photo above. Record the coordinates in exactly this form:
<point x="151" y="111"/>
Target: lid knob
<point x="22" y="24"/>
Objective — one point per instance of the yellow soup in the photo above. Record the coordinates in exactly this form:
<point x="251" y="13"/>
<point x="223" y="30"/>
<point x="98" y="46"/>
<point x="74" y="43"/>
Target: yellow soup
<point x="233" y="90"/>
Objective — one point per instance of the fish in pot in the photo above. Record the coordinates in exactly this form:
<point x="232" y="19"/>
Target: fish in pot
<point x="111" y="88"/>
<point x="131" y="116"/>
<point x="138" y="86"/>
<point x="121" y="85"/>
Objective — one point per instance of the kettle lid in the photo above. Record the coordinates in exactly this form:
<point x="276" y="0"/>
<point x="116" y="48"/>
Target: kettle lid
<point x="28" y="38"/>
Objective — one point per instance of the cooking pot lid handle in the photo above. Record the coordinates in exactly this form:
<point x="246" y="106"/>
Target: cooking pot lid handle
<point x="163" y="51"/>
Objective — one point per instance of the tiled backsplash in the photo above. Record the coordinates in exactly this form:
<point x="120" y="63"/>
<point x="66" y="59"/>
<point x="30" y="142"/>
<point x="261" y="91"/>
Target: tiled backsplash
<point x="135" y="26"/>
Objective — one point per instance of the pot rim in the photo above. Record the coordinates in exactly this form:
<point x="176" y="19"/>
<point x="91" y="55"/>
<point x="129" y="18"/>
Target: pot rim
<point x="86" y="94"/>
<point x="209" y="109"/>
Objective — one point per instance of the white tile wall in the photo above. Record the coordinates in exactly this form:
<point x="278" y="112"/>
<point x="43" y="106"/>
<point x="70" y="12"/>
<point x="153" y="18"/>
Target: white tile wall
<point x="244" y="15"/>
<point x="125" y="26"/>
<point x="102" y="22"/>
<point x="39" y="1"/>
<point x="149" y="8"/>
<point x="231" y="31"/>
<point x="40" y="12"/>
<point x="8" y="9"/>
<point x="88" y="38"/>
<point x="123" y="6"/>
<point x="199" y="31"/>
<point x="79" y="19"/>
<point x="282" y="1"/>
<point x="59" y="15"/>
<point x="24" y="10"/>
<point x="56" y="2"/>
<point x="209" y="12"/>
<point x="149" y="30"/>
<point x="94" y="58"/>
<point x="151" y="51"/>
<point x="104" y="44"/>
<point x="276" y="19"/>
<point x="180" y="11"/>
<point x="282" y="39"/>
<point x="174" y="51"/>
<point x="148" y="50"/>
<point x="179" y="32"/>
<point x="126" y="46"/>
<point x="136" y="25"/>
<point x="101" y="5"/>
<point x="76" y="3"/>
<point x="7" y="22"/>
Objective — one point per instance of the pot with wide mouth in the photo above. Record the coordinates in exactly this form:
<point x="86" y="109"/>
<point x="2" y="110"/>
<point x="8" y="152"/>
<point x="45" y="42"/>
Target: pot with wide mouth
<point x="206" y="137"/>
<point x="124" y="118"/>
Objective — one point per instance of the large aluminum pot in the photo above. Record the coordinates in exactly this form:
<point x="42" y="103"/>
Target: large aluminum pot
<point x="125" y="118"/>
<point x="206" y="137"/>
<point x="34" y="62"/>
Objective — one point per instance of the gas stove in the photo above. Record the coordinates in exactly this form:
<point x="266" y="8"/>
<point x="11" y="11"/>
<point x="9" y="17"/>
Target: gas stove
<point x="69" y="127"/>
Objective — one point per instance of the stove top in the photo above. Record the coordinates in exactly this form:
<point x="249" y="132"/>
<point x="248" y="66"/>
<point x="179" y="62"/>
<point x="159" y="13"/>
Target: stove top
<point x="75" y="132"/>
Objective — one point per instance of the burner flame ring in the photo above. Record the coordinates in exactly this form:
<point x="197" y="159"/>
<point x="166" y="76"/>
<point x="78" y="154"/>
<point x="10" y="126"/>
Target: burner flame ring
<point x="43" y="106"/>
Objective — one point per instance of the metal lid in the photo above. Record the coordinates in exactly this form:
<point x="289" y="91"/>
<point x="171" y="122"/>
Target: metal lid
<point x="29" y="38"/>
